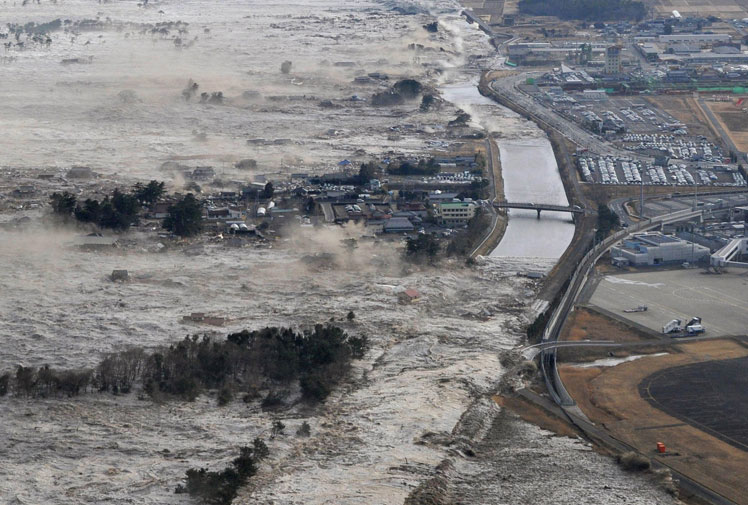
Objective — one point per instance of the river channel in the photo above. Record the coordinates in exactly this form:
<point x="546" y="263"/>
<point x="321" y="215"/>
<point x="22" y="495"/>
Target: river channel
<point x="530" y="174"/>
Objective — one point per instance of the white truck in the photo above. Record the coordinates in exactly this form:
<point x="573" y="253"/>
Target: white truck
<point x="672" y="327"/>
<point x="694" y="326"/>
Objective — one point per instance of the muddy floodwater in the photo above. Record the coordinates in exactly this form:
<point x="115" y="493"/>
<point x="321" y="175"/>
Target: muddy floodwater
<point x="107" y="91"/>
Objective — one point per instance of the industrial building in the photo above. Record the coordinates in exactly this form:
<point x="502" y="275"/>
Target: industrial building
<point x="654" y="248"/>
<point x="700" y="39"/>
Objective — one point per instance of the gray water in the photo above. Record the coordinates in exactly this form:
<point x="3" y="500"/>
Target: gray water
<point x="530" y="174"/>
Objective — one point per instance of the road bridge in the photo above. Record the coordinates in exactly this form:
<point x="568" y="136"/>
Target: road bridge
<point x="538" y="207"/>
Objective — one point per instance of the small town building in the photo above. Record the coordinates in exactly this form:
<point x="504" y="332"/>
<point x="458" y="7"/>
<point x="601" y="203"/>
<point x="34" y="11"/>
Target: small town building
<point x="398" y="225"/>
<point x="78" y="172"/>
<point x="455" y="213"/>
<point x="408" y="296"/>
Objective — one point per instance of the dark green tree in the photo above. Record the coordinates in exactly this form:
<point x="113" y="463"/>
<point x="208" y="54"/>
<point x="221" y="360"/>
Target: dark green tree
<point x="423" y="246"/>
<point x="408" y="88"/>
<point x="367" y="172"/>
<point x="63" y="204"/>
<point x="90" y="212"/>
<point x="607" y="220"/>
<point x="268" y="191"/>
<point x="150" y="193"/>
<point x="185" y="217"/>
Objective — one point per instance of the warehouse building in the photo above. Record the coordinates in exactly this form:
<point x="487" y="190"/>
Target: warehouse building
<point x="654" y="248"/>
<point x="700" y="39"/>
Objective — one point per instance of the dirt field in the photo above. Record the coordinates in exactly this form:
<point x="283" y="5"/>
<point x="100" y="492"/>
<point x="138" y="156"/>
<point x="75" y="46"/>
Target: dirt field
<point x="610" y="397"/>
<point x="586" y="324"/>
<point x="489" y="10"/>
<point x="686" y="110"/>
<point x="734" y="120"/>
<point x="713" y="402"/>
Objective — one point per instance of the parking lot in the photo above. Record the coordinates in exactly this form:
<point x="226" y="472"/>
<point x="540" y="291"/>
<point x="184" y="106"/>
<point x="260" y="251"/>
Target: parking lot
<point x="611" y="170"/>
<point x="719" y="299"/>
<point x="648" y="132"/>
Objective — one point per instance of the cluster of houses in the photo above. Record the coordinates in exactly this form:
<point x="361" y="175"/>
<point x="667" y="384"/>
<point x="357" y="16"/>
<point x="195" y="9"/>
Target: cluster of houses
<point x="381" y="205"/>
<point x="379" y="212"/>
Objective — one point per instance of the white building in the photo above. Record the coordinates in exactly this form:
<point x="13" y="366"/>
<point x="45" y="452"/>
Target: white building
<point x="654" y="248"/>
<point x="455" y="213"/>
<point x="698" y="39"/>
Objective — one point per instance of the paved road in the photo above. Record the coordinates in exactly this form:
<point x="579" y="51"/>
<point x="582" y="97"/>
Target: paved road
<point x="491" y="155"/>
<point x="662" y="205"/>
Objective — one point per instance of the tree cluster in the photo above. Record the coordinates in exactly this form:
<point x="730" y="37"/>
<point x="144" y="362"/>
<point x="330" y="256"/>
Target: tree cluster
<point x="590" y="10"/>
<point x="464" y="242"/>
<point x="220" y="488"/>
<point x="477" y="190"/>
<point x="190" y="91"/>
<point x="117" y="211"/>
<point x="406" y="89"/>
<point x="607" y="221"/>
<point x="423" y="247"/>
<point x="246" y="361"/>
<point x="185" y="217"/>
<point x="423" y="167"/>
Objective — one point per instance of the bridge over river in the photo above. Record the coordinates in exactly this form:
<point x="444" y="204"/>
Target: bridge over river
<point x="539" y="207"/>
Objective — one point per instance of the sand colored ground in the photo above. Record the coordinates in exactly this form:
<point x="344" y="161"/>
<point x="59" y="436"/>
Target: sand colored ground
<point x="587" y="324"/>
<point x="733" y="119"/>
<point x="686" y="110"/>
<point x="610" y="398"/>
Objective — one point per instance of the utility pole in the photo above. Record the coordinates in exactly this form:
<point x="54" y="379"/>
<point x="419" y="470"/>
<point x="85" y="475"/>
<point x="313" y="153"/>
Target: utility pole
<point x="641" y="199"/>
<point x="695" y="195"/>
<point x="692" y="246"/>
